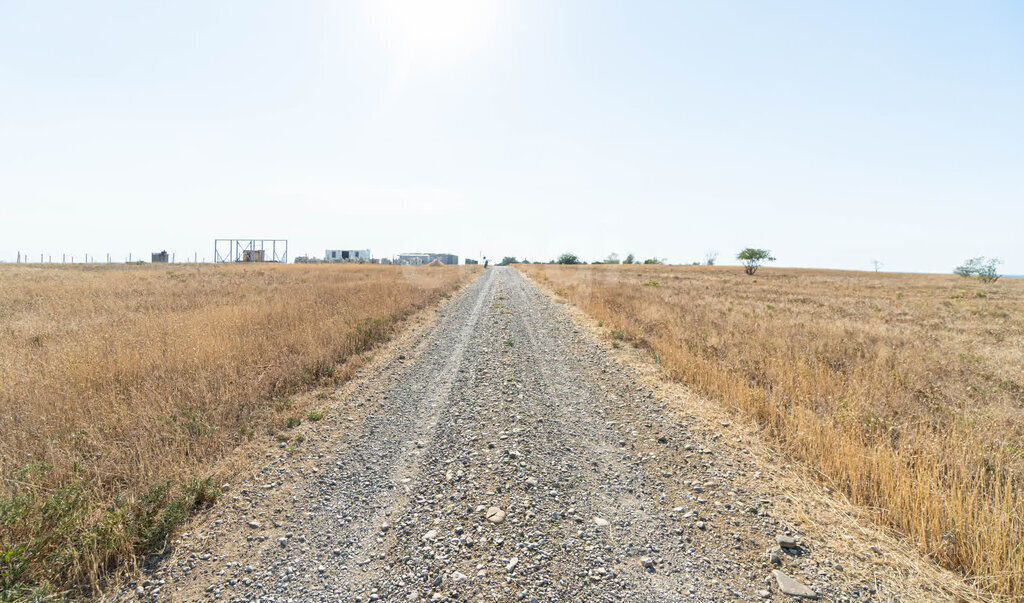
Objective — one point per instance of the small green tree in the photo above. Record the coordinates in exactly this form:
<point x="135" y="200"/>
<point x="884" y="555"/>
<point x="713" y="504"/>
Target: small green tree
<point x="568" y="258"/>
<point x="653" y="261"/>
<point x="613" y="258"/>
<point x="970" y="267"/>
<point x="629" y="259"/>
<point x="752" y="258"/>
<point x="988" y="271"/>
<point x="508" y="259"/>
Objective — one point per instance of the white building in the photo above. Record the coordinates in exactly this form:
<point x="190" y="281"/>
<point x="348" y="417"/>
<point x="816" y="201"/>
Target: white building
<point x="347" y="255"/>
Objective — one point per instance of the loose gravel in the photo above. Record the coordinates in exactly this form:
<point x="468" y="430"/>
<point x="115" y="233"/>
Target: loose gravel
<point x="503" y="457"/>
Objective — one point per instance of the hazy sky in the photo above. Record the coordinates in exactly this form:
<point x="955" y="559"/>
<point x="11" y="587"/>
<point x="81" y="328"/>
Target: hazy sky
<point x="832" y="133"/>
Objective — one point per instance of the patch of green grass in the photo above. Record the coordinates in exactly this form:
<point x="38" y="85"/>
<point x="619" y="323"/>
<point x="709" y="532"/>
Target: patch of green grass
<point x="46" y="532"/>
<point x="294" y="422"/>
<point x="618" y="335"/>
<point x="509" y="342"/>
<point x="315" y="415"/>
<point x="652" y="283"/>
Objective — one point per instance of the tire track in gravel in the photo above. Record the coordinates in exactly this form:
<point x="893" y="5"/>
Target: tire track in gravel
<point x="440" y="381"/>
<point x="506" y="459"/>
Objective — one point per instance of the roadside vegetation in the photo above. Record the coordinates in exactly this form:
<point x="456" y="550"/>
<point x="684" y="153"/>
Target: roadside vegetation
<point x="903" y="392"/>
<point x="121" y="386"/>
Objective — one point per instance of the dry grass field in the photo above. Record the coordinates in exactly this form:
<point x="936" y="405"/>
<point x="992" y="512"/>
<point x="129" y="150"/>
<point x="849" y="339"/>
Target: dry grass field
<point x="120" y="386"/>
<point x="903" y="392"/>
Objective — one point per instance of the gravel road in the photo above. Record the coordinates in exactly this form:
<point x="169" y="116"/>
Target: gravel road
<point x="501" y="455"/>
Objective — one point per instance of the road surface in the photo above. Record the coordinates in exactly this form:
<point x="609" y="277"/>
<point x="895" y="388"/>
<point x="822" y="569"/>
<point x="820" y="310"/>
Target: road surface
<point x="502" y="455"/>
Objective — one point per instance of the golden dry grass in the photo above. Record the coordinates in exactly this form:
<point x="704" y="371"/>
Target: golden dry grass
<point x="905" y="392"/>
<point x="118" y="383"/>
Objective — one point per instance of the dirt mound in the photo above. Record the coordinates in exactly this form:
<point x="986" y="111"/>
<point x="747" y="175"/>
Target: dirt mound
<point x="436" y="262"/>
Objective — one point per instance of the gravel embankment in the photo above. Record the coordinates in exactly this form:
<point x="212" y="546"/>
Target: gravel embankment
<point x="504" y="456"/>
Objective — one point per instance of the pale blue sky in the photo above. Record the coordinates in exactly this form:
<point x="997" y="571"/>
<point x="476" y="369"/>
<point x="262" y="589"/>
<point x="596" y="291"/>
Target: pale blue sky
<point x="831" y="133"/>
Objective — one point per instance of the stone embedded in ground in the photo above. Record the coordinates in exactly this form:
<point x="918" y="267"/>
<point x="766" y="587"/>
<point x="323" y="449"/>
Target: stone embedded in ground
<point x="647" y="562"/>
<point x="601" y="522"/>
<point x="495" y="515"/>
<point x="793" y="588"/>
<point x="431" y="535"/>
<point x="788" y="542"/>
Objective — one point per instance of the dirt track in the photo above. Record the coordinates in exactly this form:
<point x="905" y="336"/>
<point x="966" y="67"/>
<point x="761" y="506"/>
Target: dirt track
<point x="503" y="454"/>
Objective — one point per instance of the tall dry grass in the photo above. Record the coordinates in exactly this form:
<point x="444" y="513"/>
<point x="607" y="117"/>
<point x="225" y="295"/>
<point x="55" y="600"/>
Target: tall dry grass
<point x="906" y="392"/>
<point x="121" y="386"/>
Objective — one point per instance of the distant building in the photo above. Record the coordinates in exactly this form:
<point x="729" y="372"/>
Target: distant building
<point x="471" y="261"/>
<point x="416" y="259"/>
<point x="347" y="255"/>
<point x="253" y="255"/>
<point x="161" y="257"/>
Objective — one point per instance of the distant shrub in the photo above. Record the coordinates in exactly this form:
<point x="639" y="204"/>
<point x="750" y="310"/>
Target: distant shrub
<point x="985" y="269"/>
<point x="752" y="258"/>
<point x="969" y="268"/>
<point x="568" y="258"/>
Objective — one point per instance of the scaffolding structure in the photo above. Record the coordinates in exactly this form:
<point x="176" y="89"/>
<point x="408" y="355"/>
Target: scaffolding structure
<point x="250" y="250"/>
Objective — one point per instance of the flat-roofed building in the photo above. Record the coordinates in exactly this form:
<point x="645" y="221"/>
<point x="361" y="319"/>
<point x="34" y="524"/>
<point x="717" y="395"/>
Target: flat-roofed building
<point x="347" y="255"/>
<point x="425" y="258"/>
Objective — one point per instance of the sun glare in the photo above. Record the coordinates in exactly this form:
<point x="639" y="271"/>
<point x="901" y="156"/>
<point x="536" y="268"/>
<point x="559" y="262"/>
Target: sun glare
<point x="435" y="34"/>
